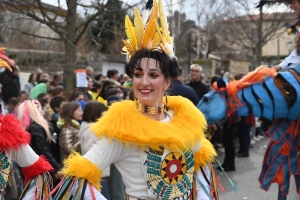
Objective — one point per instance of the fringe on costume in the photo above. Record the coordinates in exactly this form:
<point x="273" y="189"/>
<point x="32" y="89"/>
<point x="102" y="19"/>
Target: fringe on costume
<point x="67" y="190"/>
<point x="80" y="167"/>
<point x="43" y="185"/>
<point x="212" y="194"/>
<point x="39" y="167"/>
<point x="282" y="159"/>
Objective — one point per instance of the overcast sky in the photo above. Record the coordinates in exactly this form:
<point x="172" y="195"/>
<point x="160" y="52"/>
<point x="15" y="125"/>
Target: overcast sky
<point x="187" y="8"/>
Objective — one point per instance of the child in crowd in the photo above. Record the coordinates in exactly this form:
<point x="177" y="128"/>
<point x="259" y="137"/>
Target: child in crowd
<point x="69" y="125"/>
<point x="12" y="105"/>
<point x="23" y="96"/>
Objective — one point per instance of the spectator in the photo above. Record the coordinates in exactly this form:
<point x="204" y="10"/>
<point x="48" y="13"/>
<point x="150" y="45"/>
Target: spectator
<point x="113" y="75"/>
<point x="92" y="112"/>
<point x="68" y="123"/>
<point x="196" y="83"/>
<point x="56" y="80"/>
<point x="112" y="99"/>
<point x="23" y="96"/>
<point x="10" y="82"/>
<point x="38" y="89"/>
<point x="100" y="78"/>
<point x="178" y="89"/>
<point x="76" y="95"/>
<point x="95" y="90"/>
<point x="45" y="81"/>
<point x="44" y="96"/>
<point x="56" y="105"/>
<point x="114" y="91"/>
<point x="45" y="104"/>
<point x="31" y="83"/>
<point x="31" y="119"/>
<point x="90" y="71"/>
<point x="38" y="74"/>
<point x="105" y="85"/>
<point x="57" y="91"/>
<point x="12" y="105"/>
<point x="3" y="108"/>
<point x="89" y="87"/>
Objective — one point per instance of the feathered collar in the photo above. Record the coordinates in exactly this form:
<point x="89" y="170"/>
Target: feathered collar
<point x="12" y="135"/>
<point x="124" y="123"/>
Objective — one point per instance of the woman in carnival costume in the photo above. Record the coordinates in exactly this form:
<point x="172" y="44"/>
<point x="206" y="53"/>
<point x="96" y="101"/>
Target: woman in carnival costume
<point x="156" y="142"/>
<point x="14" y="145"/>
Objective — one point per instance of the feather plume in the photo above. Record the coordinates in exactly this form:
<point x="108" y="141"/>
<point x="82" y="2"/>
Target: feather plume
<point x="163" y="23"/>
<point x="130" y="32"/>
<point x="262" y="3"/>
<point x="147" y="10"/>
<point x="150" y="28"/>
<point x="139" y="27"/>
<point x="156" y="40"/>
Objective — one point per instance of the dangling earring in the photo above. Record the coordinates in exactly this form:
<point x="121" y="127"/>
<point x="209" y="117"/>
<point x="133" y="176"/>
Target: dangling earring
<point x="167" y="104"/>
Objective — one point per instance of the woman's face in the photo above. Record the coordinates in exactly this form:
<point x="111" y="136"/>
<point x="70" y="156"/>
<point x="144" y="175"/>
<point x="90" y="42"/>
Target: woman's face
<point x="77" y="115"/>
<point x="149" y="84"/>
<point x="295" y="5"/>
<point x="33" y="79"/>
<point x="46" y="108"/>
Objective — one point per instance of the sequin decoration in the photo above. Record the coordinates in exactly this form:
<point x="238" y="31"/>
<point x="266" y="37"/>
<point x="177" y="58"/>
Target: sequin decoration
<point x="172" y="177"/>
<point x="5" y="170"/>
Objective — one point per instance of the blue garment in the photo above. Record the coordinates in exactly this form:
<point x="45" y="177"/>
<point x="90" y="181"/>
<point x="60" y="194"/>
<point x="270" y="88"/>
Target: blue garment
<point x="178" y="89"/>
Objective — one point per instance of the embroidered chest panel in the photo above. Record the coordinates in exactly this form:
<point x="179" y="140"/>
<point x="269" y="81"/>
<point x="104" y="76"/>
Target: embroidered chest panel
<point x="5" y="170"/>
<point x="171" y="176"/>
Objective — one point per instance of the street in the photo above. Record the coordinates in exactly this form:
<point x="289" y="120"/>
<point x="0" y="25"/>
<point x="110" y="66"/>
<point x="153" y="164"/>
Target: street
<point x="246" y="178"/>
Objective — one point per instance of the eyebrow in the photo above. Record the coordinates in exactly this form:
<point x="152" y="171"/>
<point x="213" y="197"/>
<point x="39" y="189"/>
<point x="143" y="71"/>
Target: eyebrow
<point x="141" y="69"/>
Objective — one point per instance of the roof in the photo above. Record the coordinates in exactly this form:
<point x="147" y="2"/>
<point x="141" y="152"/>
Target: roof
<point x="266" y="17"/>
<point x="35" y="5"/>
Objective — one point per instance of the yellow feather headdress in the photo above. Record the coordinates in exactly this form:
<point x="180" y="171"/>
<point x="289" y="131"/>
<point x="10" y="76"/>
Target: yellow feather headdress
<point x="153" y="35"/>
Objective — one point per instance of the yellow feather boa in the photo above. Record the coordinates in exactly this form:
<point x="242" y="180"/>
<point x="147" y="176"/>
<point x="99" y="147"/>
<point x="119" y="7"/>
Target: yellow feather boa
<point x="124" y="123"/>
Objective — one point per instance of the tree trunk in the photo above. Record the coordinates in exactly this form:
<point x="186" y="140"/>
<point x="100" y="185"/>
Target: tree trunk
<point x="70" y="46"/>
<point x="259" y="42"/>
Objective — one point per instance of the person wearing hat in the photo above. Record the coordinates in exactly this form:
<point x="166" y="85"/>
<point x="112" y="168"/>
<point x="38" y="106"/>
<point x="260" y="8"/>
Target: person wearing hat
<point x="37" y="90"/>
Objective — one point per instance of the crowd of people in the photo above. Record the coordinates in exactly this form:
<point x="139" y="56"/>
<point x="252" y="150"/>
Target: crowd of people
<point x="59" y="124"/>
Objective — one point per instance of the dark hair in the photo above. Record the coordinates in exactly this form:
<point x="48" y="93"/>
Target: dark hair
<point x="41" y="95"/>
<point x="93" y="111"/>
<point x="43" y="81"/>
<point x="56" y="101"/>
<point x="67" y="113"/>
<point x="214" y="79"/>
<point x="169" y="67"/>
<point x="12" y="101"/>
<point x="96" y="86"/>
<point x="125" y="92"/>
<point x="112" y="99"/>
<point x="74" y="95"/>
<point x="22" y="92"/>
<point x="112" y="72"/>
<point x="43" y="102"/>
<point x="104" y="86"/>
<point x="56" y="76"/>
<point x="111" y="91"/>
<point x="98" y="77"/>
<point x="57" y="90"/>
<point x="30" y="77"/>
<point x="238" y="76"/>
